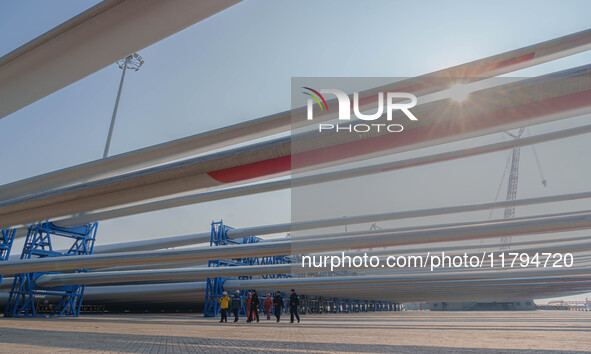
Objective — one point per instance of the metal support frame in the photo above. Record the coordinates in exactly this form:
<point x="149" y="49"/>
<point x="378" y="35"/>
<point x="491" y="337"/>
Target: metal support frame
<point x="332" y="305"/>
<point x="25" y="296"/>
<point x="275" y="260"/>
<point x="6" y="239"/>
<point x="319" y="305"/>
<point x="213" y="290"/>
<point x="214" y="286"/>
<point x="342" y="305"/>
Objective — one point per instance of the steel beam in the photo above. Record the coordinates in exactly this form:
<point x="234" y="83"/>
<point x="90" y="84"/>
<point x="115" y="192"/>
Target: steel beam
<point x="199" y="143"/>
<point x="551" y="98"/>
<point x="402" y="251"/>
<point x="51" y="280"/>
<point x="89" y="42"/>
<point x="192" y="239"/>
<point x="319" y="178"/>
<point x="144" y="292"/>
<point x="321" y="243"/>
<point x="168" y="275"/>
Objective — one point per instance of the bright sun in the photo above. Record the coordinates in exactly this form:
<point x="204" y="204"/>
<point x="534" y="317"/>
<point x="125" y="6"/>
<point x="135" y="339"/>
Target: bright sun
<point x="459" y="92"/>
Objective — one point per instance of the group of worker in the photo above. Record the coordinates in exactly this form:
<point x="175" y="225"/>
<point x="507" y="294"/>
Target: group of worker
<point x="252" y="306"/>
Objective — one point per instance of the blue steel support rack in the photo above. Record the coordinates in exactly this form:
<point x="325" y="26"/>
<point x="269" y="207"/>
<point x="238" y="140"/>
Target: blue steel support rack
<point x="6" y="239"/>
<point x="214" y="286"/>
<point x="25" y="293"/>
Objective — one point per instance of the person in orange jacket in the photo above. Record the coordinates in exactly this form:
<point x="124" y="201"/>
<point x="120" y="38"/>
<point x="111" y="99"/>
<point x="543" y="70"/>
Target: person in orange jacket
<point x="268" y="304"/>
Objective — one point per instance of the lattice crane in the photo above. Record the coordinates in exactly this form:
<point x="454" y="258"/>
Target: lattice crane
<point x="513" y="175"/>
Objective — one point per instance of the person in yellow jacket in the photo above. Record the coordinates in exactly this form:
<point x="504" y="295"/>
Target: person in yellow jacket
<point x="223" y="301"/>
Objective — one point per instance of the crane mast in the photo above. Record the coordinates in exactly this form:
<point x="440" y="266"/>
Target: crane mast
<point x="513" y="175"/>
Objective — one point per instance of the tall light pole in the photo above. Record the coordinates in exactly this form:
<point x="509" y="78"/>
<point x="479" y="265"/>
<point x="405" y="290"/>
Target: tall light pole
<point x="134" y="62"/>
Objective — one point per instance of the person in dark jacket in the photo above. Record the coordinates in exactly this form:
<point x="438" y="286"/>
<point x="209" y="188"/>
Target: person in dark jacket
<point x="294" y="303"/>
<point x="236" y="305"/>
<point x="279" y="305"/>
<point x="254" y="307"/>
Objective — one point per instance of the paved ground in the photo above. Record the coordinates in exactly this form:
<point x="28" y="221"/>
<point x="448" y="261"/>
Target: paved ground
<point x="391" y="332"/>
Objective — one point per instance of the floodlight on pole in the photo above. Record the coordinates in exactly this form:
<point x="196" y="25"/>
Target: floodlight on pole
<point x="133" y="62"/>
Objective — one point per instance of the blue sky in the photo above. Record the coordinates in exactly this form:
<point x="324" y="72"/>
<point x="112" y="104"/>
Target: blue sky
<point x="238" y="64"/>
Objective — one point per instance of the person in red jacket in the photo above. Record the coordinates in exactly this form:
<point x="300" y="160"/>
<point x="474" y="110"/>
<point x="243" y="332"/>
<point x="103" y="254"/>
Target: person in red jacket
<point x="268" y="304"/>
<point x="248" y="298"/>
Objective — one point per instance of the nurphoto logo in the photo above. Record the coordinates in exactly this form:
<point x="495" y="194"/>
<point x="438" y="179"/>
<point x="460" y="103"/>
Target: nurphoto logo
<point x="402" y="101"/>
